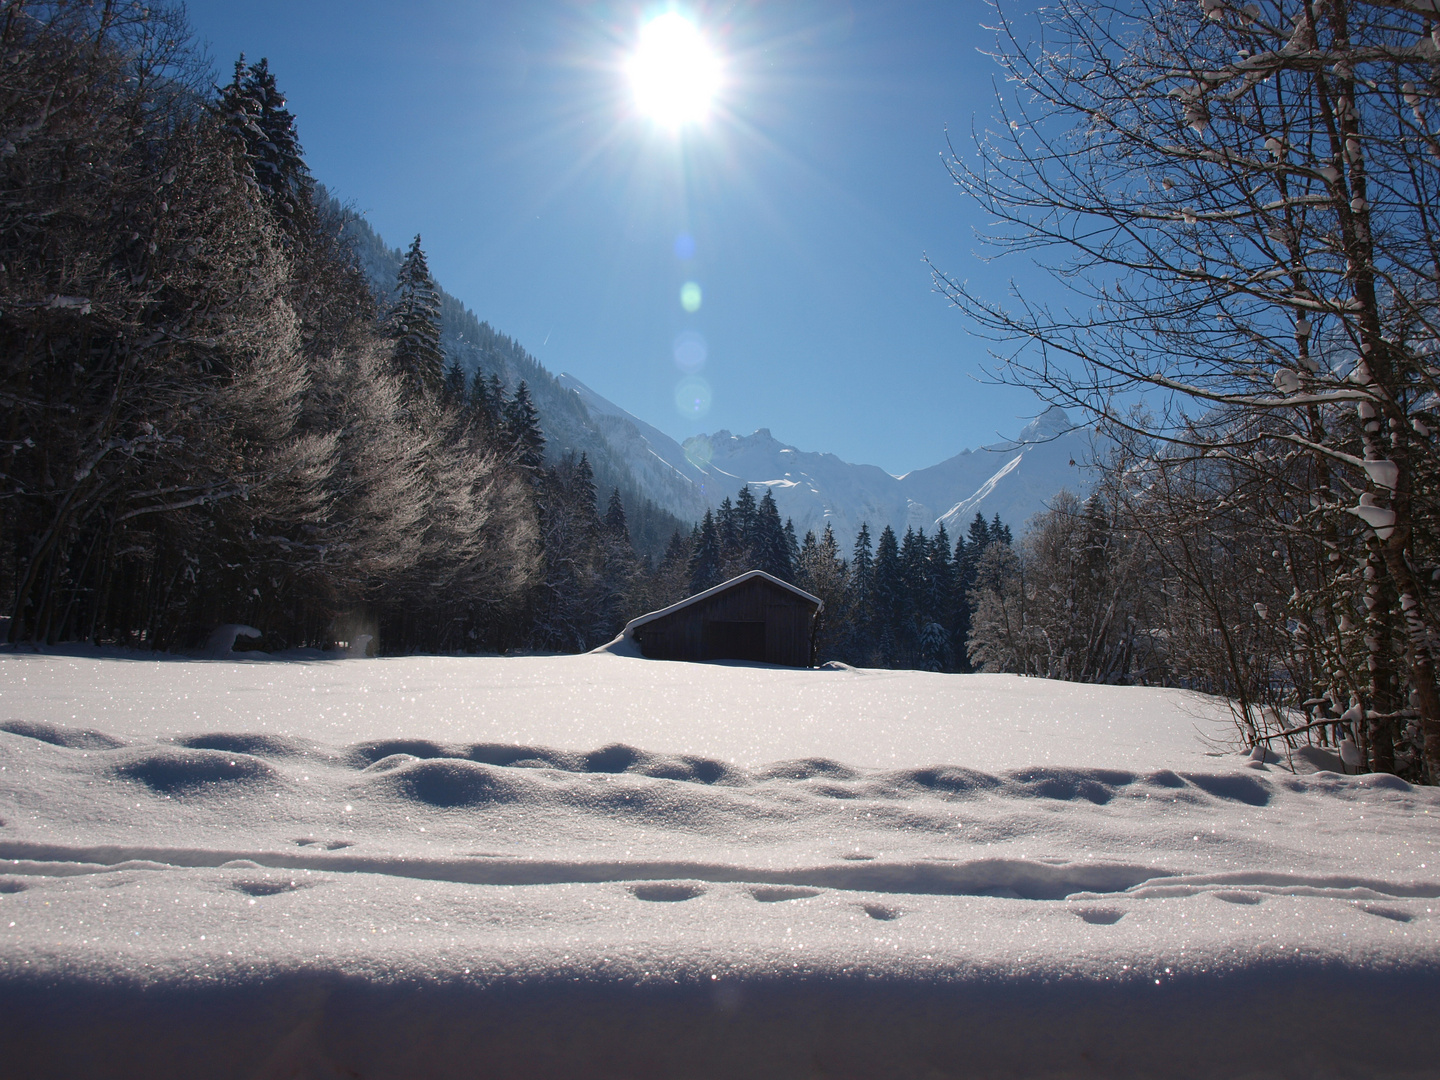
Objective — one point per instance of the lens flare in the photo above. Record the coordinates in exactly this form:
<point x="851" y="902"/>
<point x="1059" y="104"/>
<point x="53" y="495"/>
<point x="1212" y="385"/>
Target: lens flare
<point x="684" y="247"/>
<point x="690" y="297"/>
<point x="690" y="352"/>
<point x="673" y="72"/>
<point x="692" y="397"/>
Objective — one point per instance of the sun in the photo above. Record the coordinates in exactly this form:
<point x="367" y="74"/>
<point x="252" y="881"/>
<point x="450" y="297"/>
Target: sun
<point x="673" y="72"/>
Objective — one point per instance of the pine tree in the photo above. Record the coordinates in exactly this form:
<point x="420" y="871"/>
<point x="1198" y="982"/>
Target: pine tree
<point x="979" y="538"/>
<point x="620" y="568"/>
<point x="887" y="594"/>
<point x="239" y="110"/>
<point x="792" y="549"/>
<point x="771" y="546"/>
<point x="522" y="429"/>
<point x="912" y="616"/>
<point x="808" y="549"/>
<point x="745" y="523"/>
<point x="671" y="580"/>
<point x="942" y="598"/>
<point x="454" y="386"/>
<point x="677" y="552"/>
<point x="615" y="524"/>
<point x="705" y="563"/>
<point x="414" y="325"/>
<point x="253" y="111"/>
<point x="940" y="579"/>
<point x="860" y="646"/>
<point x="571" y="611"/>
<point x="279" y="162"/>
<point x="734" y="558"/>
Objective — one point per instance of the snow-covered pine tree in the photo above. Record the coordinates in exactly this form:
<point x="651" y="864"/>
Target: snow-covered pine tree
<point x="253" y="111"/>
<point x="413" y="324"/>
<point x="278" y="160"/>
<point x="238" y="110"/>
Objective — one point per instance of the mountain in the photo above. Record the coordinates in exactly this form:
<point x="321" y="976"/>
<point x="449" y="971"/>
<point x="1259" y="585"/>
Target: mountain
<point x="666" y="485"/>
<point x="1014" y="479"/>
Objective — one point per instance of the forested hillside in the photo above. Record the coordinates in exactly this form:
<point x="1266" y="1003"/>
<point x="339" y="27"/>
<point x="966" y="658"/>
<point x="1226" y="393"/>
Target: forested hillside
<point x="477" y="347"/>
<point x="211" y="416"/>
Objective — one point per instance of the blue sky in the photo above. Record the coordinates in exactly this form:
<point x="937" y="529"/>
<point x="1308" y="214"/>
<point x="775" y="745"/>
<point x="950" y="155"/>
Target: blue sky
<point x="505" y="134"/>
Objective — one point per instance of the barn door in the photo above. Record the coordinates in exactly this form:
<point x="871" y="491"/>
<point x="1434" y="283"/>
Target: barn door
<point x="726" y="640"/>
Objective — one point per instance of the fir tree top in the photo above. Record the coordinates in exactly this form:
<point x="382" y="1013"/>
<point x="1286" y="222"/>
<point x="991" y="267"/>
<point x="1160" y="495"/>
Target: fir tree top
<point x="414" y="324"/>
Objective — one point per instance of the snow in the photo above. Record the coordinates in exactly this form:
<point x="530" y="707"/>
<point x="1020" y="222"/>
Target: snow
<point x="600" y="865"/>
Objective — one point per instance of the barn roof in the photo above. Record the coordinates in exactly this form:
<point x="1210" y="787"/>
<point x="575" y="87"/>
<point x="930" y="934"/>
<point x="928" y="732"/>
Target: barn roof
<point x="643" y="619"/>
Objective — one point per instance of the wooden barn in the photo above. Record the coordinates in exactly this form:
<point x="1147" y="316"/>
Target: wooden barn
<point x="751" y="617"/>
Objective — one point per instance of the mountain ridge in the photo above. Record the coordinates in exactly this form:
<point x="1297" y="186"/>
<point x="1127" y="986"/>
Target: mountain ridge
<point x="1014" y="478"/>
<point x="667" y="485"/>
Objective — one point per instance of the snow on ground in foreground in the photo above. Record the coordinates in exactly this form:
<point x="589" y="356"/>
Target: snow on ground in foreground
<point x="606" y="866"/>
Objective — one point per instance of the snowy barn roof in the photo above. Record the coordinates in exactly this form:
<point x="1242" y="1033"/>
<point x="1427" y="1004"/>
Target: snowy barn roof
<point x="634" y="624"/>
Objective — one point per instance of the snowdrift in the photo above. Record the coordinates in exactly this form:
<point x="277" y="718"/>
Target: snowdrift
<point x="611" y="867"/>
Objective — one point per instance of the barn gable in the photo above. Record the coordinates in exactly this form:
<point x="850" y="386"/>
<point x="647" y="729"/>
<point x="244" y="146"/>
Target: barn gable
<point x="752" y="617"/>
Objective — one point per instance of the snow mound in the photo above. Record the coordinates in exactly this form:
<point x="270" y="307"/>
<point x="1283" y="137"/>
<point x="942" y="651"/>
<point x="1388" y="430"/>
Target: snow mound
<point x="62" y="735"/>
<point x="182" y="772"/>
<point x="450" y="783"/>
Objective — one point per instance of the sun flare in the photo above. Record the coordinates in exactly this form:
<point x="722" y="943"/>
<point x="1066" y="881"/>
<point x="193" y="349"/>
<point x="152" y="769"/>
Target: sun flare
<point x="673" y="72"/>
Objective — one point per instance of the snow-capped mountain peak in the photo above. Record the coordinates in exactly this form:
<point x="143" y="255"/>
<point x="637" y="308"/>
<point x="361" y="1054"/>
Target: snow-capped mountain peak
<point x="1014" y="479"/>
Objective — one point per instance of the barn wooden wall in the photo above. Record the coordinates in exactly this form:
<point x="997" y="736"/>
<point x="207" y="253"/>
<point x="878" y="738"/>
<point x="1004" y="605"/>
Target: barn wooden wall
<point x="787" y="618"/>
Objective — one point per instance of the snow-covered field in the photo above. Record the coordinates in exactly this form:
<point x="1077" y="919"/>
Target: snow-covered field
<point x="606" y="866"/>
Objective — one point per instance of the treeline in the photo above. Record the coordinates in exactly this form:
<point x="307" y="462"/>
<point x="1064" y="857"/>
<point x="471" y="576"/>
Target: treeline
<point x="1187" y="572"/>
<point x="209" y="416"/>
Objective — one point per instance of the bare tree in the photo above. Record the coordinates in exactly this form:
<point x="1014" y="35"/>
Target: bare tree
<point x="1242" y="200"/>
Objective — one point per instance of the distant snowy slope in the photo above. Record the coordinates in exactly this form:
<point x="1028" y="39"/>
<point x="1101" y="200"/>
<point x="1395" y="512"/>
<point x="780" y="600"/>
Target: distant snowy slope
<point x="658" y="464"/>
<point x="1015" y="479"/>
